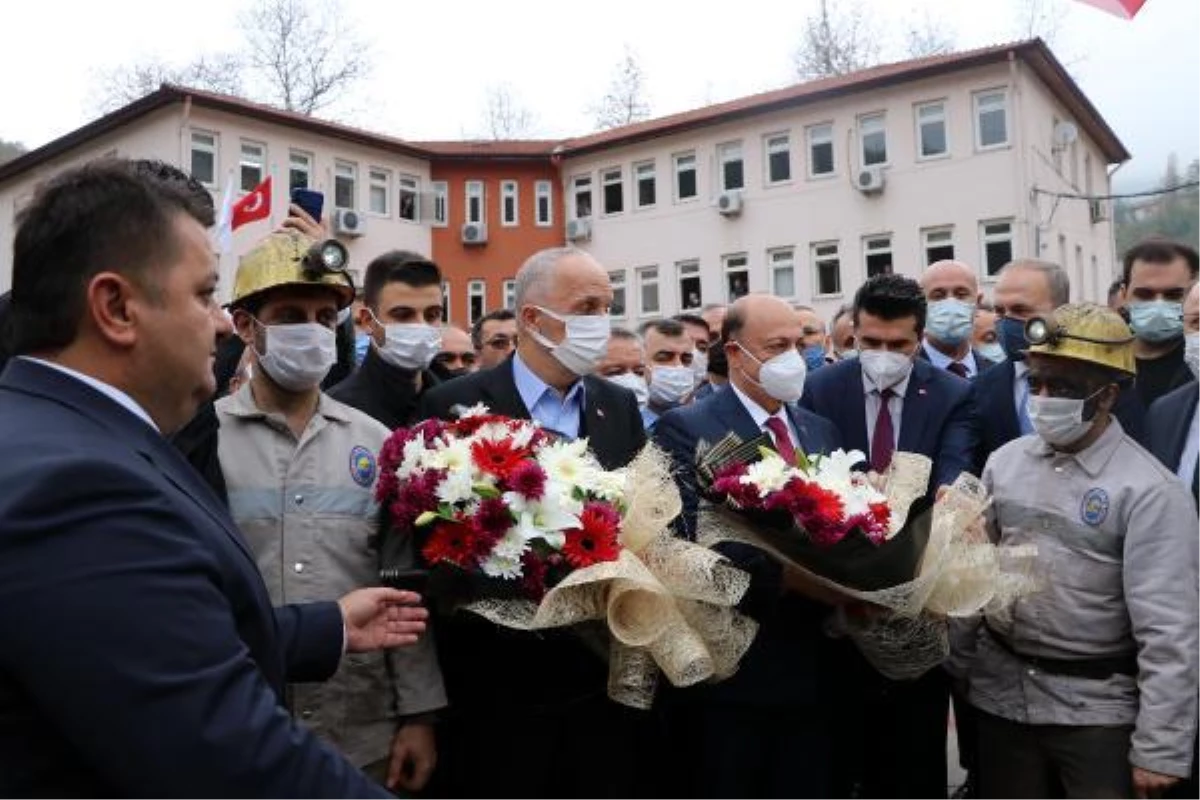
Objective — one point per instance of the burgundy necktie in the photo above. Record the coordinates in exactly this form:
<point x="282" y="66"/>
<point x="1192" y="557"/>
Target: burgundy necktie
<point x="884" y="439"/>
<point x="958" y="368"/>
<point x="783" y="440"/>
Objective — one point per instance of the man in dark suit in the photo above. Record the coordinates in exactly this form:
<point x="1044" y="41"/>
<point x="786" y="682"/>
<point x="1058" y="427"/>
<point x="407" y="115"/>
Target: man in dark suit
<point x="513" y="694"/>
<point x="1171" y="425"/>
<point x="763" y="732"/>
<point x="952" y="294"/>
<point x="141" y="653"/>
<point x="1027" y="288"/>
<point x="883" y="401"/>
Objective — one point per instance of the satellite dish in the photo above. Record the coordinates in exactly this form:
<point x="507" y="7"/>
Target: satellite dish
<point x="1065" y="133"/>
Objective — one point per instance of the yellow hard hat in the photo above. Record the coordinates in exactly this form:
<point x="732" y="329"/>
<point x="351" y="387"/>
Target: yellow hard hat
<point x="1084" y="332"/>
<point x="289" y="258"/>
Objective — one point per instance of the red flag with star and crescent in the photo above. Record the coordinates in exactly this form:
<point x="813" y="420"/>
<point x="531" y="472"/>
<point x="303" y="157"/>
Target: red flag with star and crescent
<point x="254" y="206"/>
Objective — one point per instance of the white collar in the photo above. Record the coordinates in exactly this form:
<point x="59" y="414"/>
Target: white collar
<point x="759" y="414"/>
<point x="109" y="391"/>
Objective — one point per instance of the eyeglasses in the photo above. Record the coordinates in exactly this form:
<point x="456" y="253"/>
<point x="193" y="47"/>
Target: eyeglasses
<point x="501" y="342"/>
<point x="466" y="359"/>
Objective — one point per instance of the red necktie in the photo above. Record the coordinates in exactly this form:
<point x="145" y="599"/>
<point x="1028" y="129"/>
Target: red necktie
<point x="783" y="440"/>
<point x="958" y="368"/>
<point x="883" y="442"/>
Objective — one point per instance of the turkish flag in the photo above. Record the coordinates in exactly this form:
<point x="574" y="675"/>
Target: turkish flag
<point x="1126" y="9"/>
<point x="254" y="206"/>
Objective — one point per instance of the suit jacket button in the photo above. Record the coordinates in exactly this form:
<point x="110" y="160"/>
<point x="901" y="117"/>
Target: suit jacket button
<point x="306" y="713"/>
<point x="299" y="499"/>
<point x="299" y="566"/>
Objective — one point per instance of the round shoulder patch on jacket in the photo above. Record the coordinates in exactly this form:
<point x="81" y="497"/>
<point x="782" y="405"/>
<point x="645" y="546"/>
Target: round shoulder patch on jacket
<point x="362" y="465"/>
<point x="1094" y="508"/>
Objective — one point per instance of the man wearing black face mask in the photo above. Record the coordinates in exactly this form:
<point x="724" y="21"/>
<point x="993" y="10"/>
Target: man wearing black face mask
<point x="457" y="356"/>
<point x="300" y="471"/>
<point x="402" y="308"/>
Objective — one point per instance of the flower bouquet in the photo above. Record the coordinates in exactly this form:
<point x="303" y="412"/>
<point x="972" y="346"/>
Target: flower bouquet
<point x="886" y="546"/>
<point x="528" y="531"/>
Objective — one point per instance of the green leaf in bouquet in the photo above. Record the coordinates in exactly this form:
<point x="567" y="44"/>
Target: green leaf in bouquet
<point x="486" y="491"/>
<point x="427" y="518"/>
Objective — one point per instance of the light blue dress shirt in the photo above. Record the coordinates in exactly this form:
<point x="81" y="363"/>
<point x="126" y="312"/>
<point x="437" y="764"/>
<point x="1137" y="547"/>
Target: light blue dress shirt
<point x="547" y="407"/>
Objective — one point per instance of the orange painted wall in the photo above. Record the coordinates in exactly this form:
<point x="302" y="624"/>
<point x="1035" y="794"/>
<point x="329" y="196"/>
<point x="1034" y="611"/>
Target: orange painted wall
<point x="507" y="247"/>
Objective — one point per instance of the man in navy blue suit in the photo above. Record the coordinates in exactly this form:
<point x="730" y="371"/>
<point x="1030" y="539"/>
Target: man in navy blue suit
<point x="1171" y="427"/>
<point x="141" y="653"/>
<point x="763" y="732"/>
<point x="883" y="401"/>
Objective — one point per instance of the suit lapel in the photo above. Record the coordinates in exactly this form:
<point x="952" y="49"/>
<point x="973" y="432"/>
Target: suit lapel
<point x="1010" y="427"/>
<point x="605" y="435"/>
<point x="500" y="390"/>
<point x="733" y="416"/>
<point x="1182" y="427"/>
<point x="853" y="410"/>
<point x="914" y="417"/>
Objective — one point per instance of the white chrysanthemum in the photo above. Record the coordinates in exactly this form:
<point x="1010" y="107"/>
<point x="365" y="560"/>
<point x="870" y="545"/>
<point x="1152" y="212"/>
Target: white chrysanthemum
<point x="413" y="460"/>
<point x="769" y="475"/>
<point x="456" y="487"/>
<point x="524" y="434"/>
<point x="454" y="456"/>
<point x="608" y="486"/>
<point x="498" y="566"/>
<point x="566" y="462"/>
<point x="477" y="410"/>
<point x="511" y="545"/>
<point x="838" y="466"/>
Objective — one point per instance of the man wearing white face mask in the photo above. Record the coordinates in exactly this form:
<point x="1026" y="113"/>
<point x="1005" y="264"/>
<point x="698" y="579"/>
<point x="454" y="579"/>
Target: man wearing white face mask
<point x="624" y="364"/>
<point x="952" y="293"/>
<point x="402" y="310"/>
<point x="669" y="354"/>
<point x="1086" y="688"/>
<point x="883" y="401"/>
<point x="300" y="469"/>
<point x="516" y="693"/>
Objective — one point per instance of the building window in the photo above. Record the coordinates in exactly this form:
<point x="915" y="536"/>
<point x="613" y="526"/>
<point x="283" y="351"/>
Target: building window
<point x="614" y="191"/>
<point x="991" y="119"/>
<point x="779" y="158"/>
<point x="648" y="290"/>
<point x="737" y="277"/>
<point x="544" y="198"/>
<point x="299" y="170"/>
<point x="820" y="150"/>
<point x="581" y="194"/>
<point x="509" y="291"/>
<point x="379" y="190"/>
<point x="345" y="180"/>
<point x="877" y="254"/>
<point x="474" y="191"/>
<point x="939" y="244"/>
<point x="476" y="291"/>
<point x="685" y="177"/>
<point x="250" y="166"/>
<point x="872" y="131"/>
<point x="827" y="269"/>
<point x="996" y="237"/>
<point x="508" y="203"/>
<point x="647" y="189"/>
<point x="617" y="281"/>
<point x="446" y="302"/>
<point x="410" y="193"/>
<point x="690" y="295"/>
<point x="931" y="130"/>
<point x="204" y="158"/>
<point x="733" y="173"/>
<point x="441" y="202"/>
<point x="783" y="272"/>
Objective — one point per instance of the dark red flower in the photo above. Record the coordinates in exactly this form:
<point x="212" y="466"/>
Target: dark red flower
<point x="528" y="479"/>
<point x="727" y="481"/>
<point x="452" y="542"/>
<point x="595" y="540"/>
<point x="533" y="575"/>
<point x="467" y="426"/>
<point x="493" y="519"/>
<point x="498" y="458"/>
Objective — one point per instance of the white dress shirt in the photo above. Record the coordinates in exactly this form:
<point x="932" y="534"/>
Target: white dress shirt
<point x="760" y="416"/>
<point x="941" y="360"/>
<point x="871" y="400"/>
<point x="111" y="392"/>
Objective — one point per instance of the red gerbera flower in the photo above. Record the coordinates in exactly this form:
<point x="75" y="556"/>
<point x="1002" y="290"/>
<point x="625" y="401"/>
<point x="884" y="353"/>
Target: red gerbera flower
<point x="498" y="458"/>
<point x="453" y="542"/>
<point x="595" y="540"/>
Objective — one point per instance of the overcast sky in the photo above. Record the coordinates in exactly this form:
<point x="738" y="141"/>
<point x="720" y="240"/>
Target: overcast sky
<point x="434" y="61"/>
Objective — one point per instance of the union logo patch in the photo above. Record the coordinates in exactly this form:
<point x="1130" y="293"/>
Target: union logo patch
<point x="362" y="465"/>
<point x="1094" y="508"/>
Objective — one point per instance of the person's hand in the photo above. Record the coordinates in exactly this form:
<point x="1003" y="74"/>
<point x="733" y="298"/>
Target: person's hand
<point x="1151" y="784"/>
<point x="299" y="220"/>
<point x="380" y="618"/>
<point x="414" y="755"/>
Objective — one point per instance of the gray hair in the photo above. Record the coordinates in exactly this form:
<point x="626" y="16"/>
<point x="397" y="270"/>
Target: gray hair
<point x="1056" y="277"/>
<point x="538" y="271"/>
<point x="625" y="333"/>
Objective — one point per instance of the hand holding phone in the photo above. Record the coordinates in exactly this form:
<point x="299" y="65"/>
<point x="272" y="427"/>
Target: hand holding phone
<point x="312" y="202"/>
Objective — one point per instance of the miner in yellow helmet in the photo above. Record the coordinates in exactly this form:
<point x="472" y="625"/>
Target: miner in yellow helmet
<point x="300" y="471"/>
<point x="1087" y="687"/>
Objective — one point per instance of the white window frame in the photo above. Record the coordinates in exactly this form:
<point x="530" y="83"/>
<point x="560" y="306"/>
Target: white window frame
<point x="509" y="294"/>
<point x="617" y="280"/>
<point x="211" y="147"/>
<point x="648" y="277"/>
<point x="729" y="267"/>
<point x="346" y="171"/>
<point x="820" y="258"/>
<point x="611" y="176"/>
<point x="379" y="184"/>
<point x="863" y="133"/>
<point x="678" y="166"/>
<point x="474" y="190"/>
<point x="644" y="170"/>
<point x="814" y="136"/>
<point x="940" y="236"/>
<point x="689" y="269"/>
<point x="446" y="305"/>
<point x="300" y="161"/>
<point x="543" y="190"/>
<point x="509" y="189"/>
<point x="579" y="183"/>
<point x="408" y="185"/>
<point x="779" y="259"/>
<point x="730" y="153"/>
<point x="871" y="246"/>
<point x="986" y="238"/>
<point x="441" y="203"/>
<point x="256" y="162"/>
<point x="940" y="118"/>
<point x="771" y="146"/>
<point x="977" y="114"/>
<point x="476" y="290"/>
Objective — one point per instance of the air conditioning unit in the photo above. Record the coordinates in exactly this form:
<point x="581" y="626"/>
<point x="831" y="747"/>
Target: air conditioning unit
<point x="474" y="233"/>
<point x="1096" y="211"/>
<point x="870" y="180"/>
<point x="579" y="229"/>
<point x="729" y="204"/>
<point x="348" y="222"/>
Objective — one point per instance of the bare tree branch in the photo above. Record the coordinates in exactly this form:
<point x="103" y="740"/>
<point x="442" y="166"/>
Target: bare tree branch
<point x="928" y="37"/>
<point x="504" y="116"/>
<point x="836" y="40"/>
<point x="215" y="72"/>
<point x="1042" y="18"/>
<point x="626" y="101"/>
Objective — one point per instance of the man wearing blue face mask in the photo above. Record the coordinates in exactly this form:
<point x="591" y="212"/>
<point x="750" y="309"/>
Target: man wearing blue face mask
<point x="952" y="292"/>
<point x="812" y="346"/>
<point x="1158" y="274"/>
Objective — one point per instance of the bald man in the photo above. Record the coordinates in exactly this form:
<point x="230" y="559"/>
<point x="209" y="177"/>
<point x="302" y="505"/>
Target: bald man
<point x="763" y="732"/>
<point x="952" y="293"/>
<point x="457" y="356"/>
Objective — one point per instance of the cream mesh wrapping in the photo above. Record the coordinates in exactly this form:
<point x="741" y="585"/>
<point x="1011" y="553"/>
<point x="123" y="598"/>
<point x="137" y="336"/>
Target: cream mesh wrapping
<point x="668" y="604"/>
<point x="960" y="573"/>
